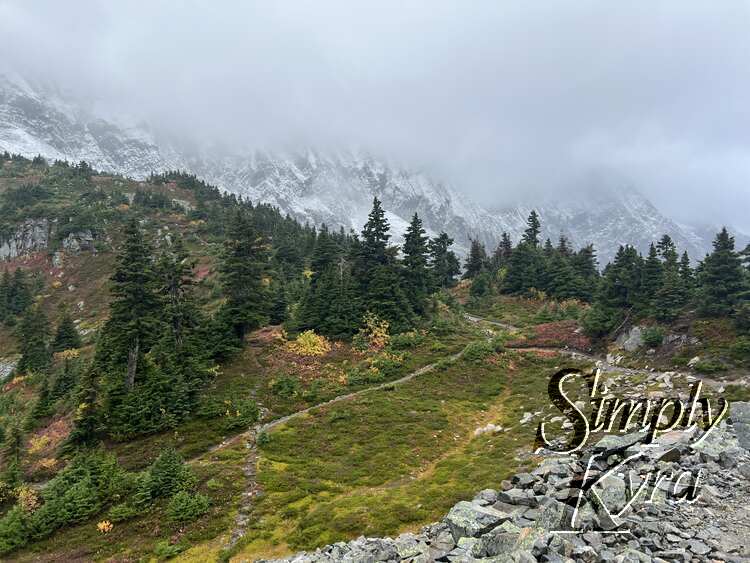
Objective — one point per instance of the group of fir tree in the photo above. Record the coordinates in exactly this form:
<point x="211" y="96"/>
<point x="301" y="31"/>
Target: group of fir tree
<point x="352" y="275"/>
<point x="559" y="272"/>
<point x="660" y="286"/>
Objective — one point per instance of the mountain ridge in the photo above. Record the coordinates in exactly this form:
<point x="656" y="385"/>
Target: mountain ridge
<point x="335" y="188"/>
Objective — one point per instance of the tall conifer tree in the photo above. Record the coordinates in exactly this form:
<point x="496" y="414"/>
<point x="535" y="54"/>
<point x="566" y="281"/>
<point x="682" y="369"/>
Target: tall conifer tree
<point x="415" y="251"/>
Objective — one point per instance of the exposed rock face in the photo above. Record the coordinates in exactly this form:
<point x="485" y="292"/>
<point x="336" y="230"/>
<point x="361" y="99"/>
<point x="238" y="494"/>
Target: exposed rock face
<point x="7" y="365"/>
<point x="631" y="340"/>
<point x="30" y="236"/>
<point x="522" y="522"/>
<point x="81" y="240"/>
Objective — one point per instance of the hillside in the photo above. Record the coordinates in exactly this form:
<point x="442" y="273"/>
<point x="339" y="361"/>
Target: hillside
<point x="294" y="387"/>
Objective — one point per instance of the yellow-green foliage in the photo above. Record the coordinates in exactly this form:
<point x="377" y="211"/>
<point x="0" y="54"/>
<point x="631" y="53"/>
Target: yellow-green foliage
<point x="310" y="344"/>
<point x="373" y="334"/>
<point x="28" y="498"/>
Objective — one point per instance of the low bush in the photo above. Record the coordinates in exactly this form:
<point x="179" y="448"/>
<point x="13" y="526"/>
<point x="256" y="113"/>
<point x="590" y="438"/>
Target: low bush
<point x="286" y="386"/>
<point x="123" y="511"/>
<point x="166" y="550"/>
<point x="169" y="475"/>
<point x="653" y="336"/>
<point x="309" y="344"/>
<point x="477" y="351"/>
<point x="406" y="340"/>
<point x="240" y="414"/>
<point x="186" y="507"/>
<point x="709" y="366"/>
<point x="740" y="350"/>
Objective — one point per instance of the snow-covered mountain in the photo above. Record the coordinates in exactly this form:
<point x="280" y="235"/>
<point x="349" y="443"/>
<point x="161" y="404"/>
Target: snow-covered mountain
<point x="335" y="188"/>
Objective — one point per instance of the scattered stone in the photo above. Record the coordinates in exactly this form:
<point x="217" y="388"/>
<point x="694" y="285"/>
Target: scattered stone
<point x="516" y="524"/>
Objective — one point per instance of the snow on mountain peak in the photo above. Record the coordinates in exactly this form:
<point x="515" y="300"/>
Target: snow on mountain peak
<point x="333" y="187"/>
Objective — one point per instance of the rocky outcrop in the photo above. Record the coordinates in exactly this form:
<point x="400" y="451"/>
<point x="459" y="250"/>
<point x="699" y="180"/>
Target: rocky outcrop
<point x="532" y="518"/>
<point x="30" y="236"/>
<point x="631" y="340"/>
<point x="78" y="241"/>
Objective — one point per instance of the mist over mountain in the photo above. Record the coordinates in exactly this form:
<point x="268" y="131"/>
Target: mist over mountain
<point x="332" y="187"/>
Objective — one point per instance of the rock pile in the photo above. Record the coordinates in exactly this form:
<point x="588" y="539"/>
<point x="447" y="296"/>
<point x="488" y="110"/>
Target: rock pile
<point x="533" y="516"/>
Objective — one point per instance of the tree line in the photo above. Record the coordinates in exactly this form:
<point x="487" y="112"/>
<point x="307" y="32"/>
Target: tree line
<point x="661" y="285"/>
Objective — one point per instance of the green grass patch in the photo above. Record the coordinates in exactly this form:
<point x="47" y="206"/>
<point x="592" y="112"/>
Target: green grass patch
<point x="393" y="460"/>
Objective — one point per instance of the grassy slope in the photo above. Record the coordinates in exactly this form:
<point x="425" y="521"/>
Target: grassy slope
<point x="220" y="470"/>
<point x="394" y="460"/>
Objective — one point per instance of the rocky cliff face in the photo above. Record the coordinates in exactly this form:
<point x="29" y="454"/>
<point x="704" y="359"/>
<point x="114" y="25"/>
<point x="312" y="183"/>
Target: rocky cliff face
<point x="36" y="121"/>
<point x="335" y="188"/>
<point x="30" y="236"/>
<point x="522" y="521"/>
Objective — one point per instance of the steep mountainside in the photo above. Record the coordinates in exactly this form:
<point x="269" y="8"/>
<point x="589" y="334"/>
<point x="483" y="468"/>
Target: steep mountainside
<point x="333" y="188"/>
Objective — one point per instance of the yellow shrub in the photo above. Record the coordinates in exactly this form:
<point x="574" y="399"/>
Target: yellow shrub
<point x="309" y="344"/>
<point x="48" y="463"/>
<point x="28" y="498"/>
<point x="104" y="527"/>
<point x="38" y="443"/>
<point x="374" y="332"/>
<point x="69" y="354"/>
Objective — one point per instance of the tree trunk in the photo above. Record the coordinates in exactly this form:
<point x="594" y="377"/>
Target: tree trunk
<point x="132" y="363"/>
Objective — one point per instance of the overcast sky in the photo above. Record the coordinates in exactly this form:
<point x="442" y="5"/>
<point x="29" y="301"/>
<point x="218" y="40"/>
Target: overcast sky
<point x="501" y="98"/>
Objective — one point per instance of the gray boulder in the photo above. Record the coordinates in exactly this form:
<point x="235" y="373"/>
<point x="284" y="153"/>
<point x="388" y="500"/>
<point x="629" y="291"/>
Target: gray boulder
<point x="467" y="519"/>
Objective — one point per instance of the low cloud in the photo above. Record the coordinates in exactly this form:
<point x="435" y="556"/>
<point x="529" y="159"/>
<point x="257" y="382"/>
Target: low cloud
<point x="503" y="100"/>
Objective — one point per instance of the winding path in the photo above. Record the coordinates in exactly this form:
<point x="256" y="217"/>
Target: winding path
<point x="250" y="468"/>
<point x="253" y="489"/>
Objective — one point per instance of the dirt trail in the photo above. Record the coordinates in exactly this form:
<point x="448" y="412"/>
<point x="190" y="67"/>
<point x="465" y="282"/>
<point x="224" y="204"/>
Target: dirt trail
<point x="252" y="489"/>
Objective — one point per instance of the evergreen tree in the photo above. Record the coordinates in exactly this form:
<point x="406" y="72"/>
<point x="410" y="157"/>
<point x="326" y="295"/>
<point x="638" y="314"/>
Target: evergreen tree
<point x="278" y="313"/>
<point x="444" y="265"/>
<point x="722" y="280"/>
<point x="66" y="378"/>
<point x="313" y="308"/>
<point x="67" y="336"/>
<point x="481" y="285"/>
<point x="175" y="278"/>
<point x="243" y="268"/>
<point x="337" y="291"/>
<point x="670" y="297"/>
<point x="180" y="356"/>
<point x="548" y="249"/>
<point x="135" y="309"/>
<point x="562" y="278"/>
<point x="667" y="250"/>
<point x="476" y="261"/>
<point x="42" y="407"/>
<point x="5" y="293"/>
<point x="587" y="275"/>
<point x="503" y="251"/>
<point x="618" y="293"/>
<point x="12" y="450"/>
<point x="19" y="298"/>
<point x="416" y="277"/>
<point x="325" y="253"/>
<point x="563" y="246"/>
<point x="533" y="228"/>
<point x="387" y="300"/>
<point x="687" y="275"/>
<point x="379" y="277"/>
<point x="526" y="269"/>
<point x="33" y="335"/>
<point x="86" y="420"/>
<point x="374" y="240"/>
<point x="651" y="282"/>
